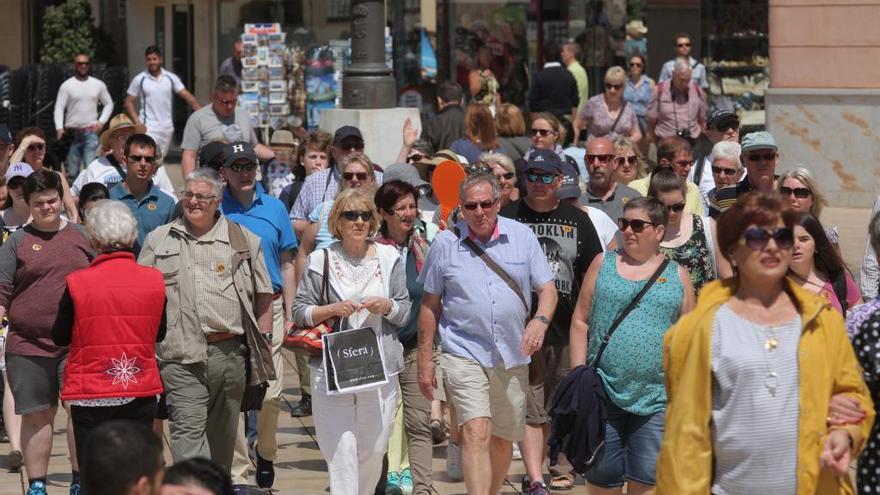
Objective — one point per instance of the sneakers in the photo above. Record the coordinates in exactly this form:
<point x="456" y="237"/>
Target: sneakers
<point x="15" y="461"/>
<point x="453" y="462"/>
<point x="265" y="471"/>
<point x="38" y="488"/>
<point x="392" y="485"/>
<point x="406" y="481"/>
<point x="537" y="488"/>
<point x="304" y="408"/>
<point x="74" y="489"/>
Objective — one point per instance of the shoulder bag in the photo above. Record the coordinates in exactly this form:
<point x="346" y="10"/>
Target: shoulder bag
<point x="308" y="340"/>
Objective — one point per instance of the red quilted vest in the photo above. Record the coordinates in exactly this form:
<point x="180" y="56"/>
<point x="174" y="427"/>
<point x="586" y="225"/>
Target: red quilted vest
<point x="117" y="309"/>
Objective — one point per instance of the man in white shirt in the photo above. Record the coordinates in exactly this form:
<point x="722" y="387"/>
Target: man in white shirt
<point x="156" y="87"/>
<point x="683" y="49"/>
<point x="76" y="113"/>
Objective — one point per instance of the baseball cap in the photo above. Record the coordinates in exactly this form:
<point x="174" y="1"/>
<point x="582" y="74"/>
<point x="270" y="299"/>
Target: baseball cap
<point x="545" y="161"/>
<point x="19" y="169"/>
<point x="5" y="135"/>
<point x="570" y="187"/>
<point x="236" y="151"/>
<point x="211" y="155"/>
<point x="761" y="140"/>
<point x="346" y="131"/>
<point x="720" y="115"/>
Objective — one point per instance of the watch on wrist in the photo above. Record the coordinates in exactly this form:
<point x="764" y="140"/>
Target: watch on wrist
<point x="543" y="319"/>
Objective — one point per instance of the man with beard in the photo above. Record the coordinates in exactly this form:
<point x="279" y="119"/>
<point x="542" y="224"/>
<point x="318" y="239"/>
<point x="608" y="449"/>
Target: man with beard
<point x="570" y="243"/>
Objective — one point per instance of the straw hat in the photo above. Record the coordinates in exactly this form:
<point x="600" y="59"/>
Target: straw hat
<point x="117" y="123"/>
<point x="636" y="29"/>
<point x="283" y="140"/>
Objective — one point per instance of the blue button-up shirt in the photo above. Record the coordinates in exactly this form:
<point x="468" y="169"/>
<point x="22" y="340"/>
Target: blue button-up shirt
<point x="266" y="217"/>
<point x="482" y="318"/>
<point x="151" y="211"/>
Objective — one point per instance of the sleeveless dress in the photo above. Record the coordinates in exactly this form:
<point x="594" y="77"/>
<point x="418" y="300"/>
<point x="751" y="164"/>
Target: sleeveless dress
<point x="863" y="325"/>
<point x="695" y="256"/>
<point x="631" y="368"/>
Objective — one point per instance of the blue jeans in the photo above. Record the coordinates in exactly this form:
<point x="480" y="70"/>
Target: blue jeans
<point x="82" y="150"/>
<point x="632" y="444"/>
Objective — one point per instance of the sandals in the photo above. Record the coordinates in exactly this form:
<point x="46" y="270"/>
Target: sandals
<point x="561" y="482"/>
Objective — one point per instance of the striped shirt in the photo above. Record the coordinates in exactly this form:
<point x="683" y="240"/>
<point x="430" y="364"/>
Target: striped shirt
<point x="754" y="430"/>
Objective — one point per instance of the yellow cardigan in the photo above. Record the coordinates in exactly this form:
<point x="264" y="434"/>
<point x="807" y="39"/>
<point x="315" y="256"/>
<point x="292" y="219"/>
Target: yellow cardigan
<point x="827" y="366"/>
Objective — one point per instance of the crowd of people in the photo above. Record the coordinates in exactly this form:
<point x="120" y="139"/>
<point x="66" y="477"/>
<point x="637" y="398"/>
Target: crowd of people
<point x="733" y="351"/>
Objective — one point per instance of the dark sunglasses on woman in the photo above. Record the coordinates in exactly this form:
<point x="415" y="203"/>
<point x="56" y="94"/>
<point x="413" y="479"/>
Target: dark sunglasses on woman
<point x="352" y="175"/>
<point x="542" y="132"/>
<point x="636" y="224"/>
<point x="352" y="215"/>
<point x="632" y="160"/>
<point x="676" y="208"/>
<point x="757" y="238"/>
<point x="799" y="192"/>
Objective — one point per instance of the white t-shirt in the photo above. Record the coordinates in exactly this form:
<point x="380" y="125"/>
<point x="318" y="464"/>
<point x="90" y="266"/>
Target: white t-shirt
<point x="77" y="103"/>
<point x="156" y="96"/>
<point x="605" y="227"/>
<point x="102" y="171"/>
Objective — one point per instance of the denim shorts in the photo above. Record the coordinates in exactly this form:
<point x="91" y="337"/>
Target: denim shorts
<point x="632" y="444"/>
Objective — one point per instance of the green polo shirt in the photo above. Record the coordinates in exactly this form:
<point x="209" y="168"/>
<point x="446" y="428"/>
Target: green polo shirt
<point x="580" y="76"/>
<point x="151" y="211"/>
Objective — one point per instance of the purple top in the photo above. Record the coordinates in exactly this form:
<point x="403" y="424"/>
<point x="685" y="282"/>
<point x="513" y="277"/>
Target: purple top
<point x="601" y="123"/>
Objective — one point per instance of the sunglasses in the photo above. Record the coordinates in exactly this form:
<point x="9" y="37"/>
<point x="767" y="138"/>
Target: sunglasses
<point x="757" y="238"/>
<point x="36" y="147"/>
<point x="601" y="158"/>
<point x="676" y="208"/>
<point x="138" y="158"/>
<point x="613" y="86"/>
<point x="477" y="168"/>
<point x="637" y="225"/>
<point x="83" y="63"/>
<point x="243" y="167"/>
<point x="352" y="215"/>
<point x="730" y="172"/>
<point x="635" y="64"/>
<point x="484" y="205"/>
<point x="683" y="44"/>
<point x="632" y="160"/>
<point x="505" y="176"/>
<point x="351" y="175"/>
<point x="351" y="147"/>
<point x="231" y="101"/>
<point x="415" y="157"/>
<point x="542" y="132"/>
<point x="761" y="156"/>
<point x="799" y="192"/>
<point x="726" y="126"/>
<point x="544" y="178"/>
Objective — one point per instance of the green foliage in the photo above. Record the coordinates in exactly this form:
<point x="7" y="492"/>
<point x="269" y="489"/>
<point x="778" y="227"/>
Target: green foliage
<point x="68" y="29"/>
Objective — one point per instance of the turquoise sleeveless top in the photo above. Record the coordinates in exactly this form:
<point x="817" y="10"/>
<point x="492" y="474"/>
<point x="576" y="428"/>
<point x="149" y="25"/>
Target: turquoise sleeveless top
<point x="632" y="365"/>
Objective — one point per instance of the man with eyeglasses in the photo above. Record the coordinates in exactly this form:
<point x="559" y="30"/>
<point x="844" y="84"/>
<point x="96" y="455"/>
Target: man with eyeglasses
<point x="603" y="190"/>
<point x="266" y="217"/>
<point x="721" y="125"/>
<point x="323" y="185"/>
<point x="149" y="205"/>
<point x="683" y="49"/>
<point x="569" y="242"/>
<point x="485" y="327"/>
<point x="216" y="309"/>
<point x="675" y="154"/>
<point x="76" y="114"/>
<point x="222" y="120"/>
<point x="760" y="155"/>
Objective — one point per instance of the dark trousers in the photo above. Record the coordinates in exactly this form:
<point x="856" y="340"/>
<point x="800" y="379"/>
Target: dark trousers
<point x="85" y="419"/>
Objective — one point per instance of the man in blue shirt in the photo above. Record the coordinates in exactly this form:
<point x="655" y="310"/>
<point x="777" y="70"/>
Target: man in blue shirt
<point x="150" y="206"/>
<point x="265" y="216"/>
<point x="487" y="341"/>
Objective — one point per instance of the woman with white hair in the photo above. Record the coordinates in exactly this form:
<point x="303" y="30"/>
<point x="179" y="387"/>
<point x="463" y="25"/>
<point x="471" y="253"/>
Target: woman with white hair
<point x="111" y="315"/>
<point x="727" y="167"/>
<point x="608" y="114"/>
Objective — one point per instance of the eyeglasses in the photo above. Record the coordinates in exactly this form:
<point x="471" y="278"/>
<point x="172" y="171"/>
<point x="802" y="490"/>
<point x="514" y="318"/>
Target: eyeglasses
<point x="799" y="192"/>
<point x="601" y="158"/>
<point x="680" y="45"/>
<point x="201" y="198"/>
<point x="239" y="167"/>
<point x="351" y="147"/>
<point x="36" y="147"/>
<point x="351" y="175"/>
<point x="637" y="225"/>
<point x="757" y="238"/>
<point x="415" y="157"/>
<point x="730" y="172"/>
<point x="544" y="178"/>
<point x="676" y="208"/>
<point x="477" y="168"/>
<point x="352" y="215"/>
<point x="613" y="86"/>
<point x="542" y="132"/>
<point x="754" y="157"/>
<point x="138" y="158"/>
<point x="726" y="126"/>
<point x="484" y="205"/>
<point x="636" y="64"/>
<point x="622" y="160"/>
<point x="82" y="63"/>
<point x="505" y="175"/>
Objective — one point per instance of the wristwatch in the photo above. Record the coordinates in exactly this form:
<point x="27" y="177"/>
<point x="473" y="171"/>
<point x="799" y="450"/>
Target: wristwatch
<point x="543" y="319"/>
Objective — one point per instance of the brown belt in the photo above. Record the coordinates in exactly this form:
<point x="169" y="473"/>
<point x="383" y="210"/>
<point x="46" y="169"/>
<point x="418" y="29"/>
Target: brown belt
<point x="220" y="337"/>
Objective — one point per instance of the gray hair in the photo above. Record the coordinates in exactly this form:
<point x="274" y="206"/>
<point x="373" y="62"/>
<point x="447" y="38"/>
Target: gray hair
<point x="208" y="176"/>
<point x="110" y="225"/>
<point x="499" y="158"/>
<point x="729" y="150"/>
<point x="681" y="64"/>
<point x="874" y="233"/>
<point x="476" y="179"/>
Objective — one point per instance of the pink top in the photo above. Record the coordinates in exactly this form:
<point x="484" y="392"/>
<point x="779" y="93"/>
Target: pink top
<point x="852" y="293"/>
<point x="602" y="124"/>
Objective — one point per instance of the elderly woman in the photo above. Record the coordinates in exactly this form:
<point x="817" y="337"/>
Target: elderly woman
<point x="33" y="263"/>
<point x="31" y="149"/>
<point x="505" y="173"/>
<point x="367" y="288"/>
<point x="799" y="187"/>
<point x="608" y="114"/>
<point x="727" y="167"/>
<point x="479" y="131"/>
<point x="403" y="229"/>
<point x="511" y="128"/>
<point x="630" y="162"/>
<point x="630" y="367"/>
<point x="114" y="301"/>
<point x="750" y="373"/>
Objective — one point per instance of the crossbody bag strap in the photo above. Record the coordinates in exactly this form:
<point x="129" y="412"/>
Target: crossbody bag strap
<point x="627" y="310"/>
<point x="325" y="281"/>
<point x="238" y="243"/>
<point x="619" y="115"/>
<point x="495" y="268"/>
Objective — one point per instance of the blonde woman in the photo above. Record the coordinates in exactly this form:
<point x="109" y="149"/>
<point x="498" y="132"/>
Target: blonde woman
<point x="630" y="163"/>
<point x="505" y="173"/>
<point x="800" y="189"/>
<point x="608" y="114"/>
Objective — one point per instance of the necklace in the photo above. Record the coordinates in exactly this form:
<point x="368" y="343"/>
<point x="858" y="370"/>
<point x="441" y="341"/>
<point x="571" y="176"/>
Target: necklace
<point x="770" y="343"/>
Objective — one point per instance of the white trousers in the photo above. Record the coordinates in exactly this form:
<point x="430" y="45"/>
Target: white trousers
<point x="162" y="138"/>
<point x="352" y="432"/>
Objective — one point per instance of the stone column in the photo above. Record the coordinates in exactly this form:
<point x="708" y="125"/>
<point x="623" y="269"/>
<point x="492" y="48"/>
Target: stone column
<point x="367" y="82"/>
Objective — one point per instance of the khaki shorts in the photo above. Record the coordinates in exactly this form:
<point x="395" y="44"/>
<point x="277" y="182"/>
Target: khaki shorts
<point x="495" y="393"/>
<point x="553" y="361"/>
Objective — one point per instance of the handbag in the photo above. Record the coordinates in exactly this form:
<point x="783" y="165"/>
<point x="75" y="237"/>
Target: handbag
<point x="588" y="416"/>
<point x="308" y="340"/>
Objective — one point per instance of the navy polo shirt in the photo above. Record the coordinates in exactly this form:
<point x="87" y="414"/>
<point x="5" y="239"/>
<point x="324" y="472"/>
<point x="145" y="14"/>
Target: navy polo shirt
<point x="267" y="218"/>
<point x="151" y="211"/>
